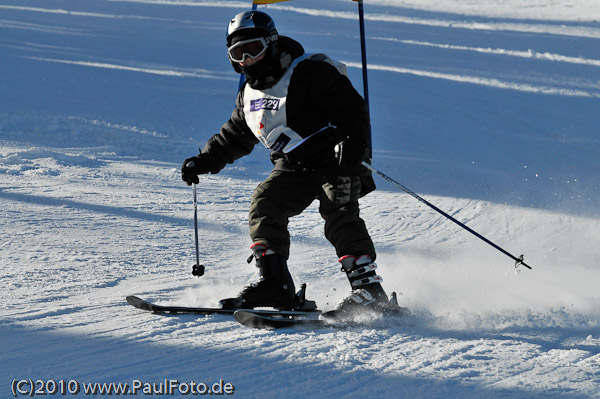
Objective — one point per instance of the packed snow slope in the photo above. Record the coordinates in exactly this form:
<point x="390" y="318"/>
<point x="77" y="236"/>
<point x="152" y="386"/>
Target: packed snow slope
<point x="488" y="109"/>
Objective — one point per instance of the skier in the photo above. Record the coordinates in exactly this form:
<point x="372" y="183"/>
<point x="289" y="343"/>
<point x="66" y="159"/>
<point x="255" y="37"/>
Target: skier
<point x="316" y="127"/>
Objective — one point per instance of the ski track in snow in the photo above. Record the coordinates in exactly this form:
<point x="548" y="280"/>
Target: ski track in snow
<point x="497" y="127"/>
<point x="496" y="83"/>
<point x="523" y="54"/>
<point x="163" y="72"/>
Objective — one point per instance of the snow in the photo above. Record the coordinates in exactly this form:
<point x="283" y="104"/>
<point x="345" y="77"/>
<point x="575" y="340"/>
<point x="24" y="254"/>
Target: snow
<point x="487" y="109"/>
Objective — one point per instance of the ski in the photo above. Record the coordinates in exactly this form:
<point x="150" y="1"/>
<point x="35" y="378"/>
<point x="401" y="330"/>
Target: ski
<point x="332" y="318"/>
<point x="251" y="318"/>
<point x="267" y="319"/>
<point x="151" y="307"/>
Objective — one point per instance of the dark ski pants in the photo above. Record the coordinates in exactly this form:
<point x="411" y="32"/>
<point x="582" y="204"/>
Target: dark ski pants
<point x="285" y="194"/>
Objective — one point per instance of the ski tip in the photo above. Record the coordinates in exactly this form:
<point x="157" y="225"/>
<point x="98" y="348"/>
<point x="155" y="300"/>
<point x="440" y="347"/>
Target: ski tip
<point x="261" y="321"/>
<point x="138" y="302"/>
<point x="132" y="299"/>
<point x="250" y="319"/>
<point x="274" y="320"/>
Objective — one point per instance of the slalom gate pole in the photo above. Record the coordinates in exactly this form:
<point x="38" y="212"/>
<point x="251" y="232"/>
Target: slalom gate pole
<point x="518" y="261"/>
<point x="363" y="50"/>
<point x="363" y="53"/>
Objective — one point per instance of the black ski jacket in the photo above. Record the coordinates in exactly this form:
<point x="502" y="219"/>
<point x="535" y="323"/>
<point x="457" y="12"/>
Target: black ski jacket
<point x="318" y="95"/>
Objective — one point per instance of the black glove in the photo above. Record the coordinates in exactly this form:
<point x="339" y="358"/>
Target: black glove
<point x="350" y="152"/>
<point x="194" y="166"/>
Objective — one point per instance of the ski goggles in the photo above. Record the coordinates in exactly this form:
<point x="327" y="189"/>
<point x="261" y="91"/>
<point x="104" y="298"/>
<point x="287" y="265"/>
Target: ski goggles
<point x="251" y="48"/>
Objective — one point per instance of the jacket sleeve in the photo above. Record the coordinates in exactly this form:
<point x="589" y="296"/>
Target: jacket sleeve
<point x="234" y="141"/>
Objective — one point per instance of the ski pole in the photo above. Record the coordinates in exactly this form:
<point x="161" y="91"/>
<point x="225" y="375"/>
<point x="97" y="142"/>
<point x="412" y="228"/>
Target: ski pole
<point x="197" y="269"/>
<point x="518" y="261"/>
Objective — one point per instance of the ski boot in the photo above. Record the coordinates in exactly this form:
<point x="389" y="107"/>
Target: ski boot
<point x="367" y="295"/>
<point x="275" y="287"/>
